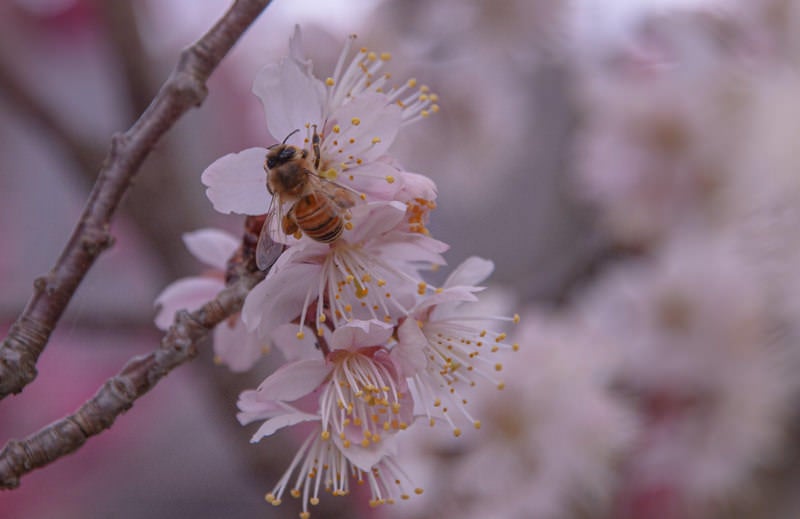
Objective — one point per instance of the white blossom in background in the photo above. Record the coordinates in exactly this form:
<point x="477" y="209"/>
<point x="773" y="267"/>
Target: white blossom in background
<point x="234" y="345"/>
<point x="701" y="362"/>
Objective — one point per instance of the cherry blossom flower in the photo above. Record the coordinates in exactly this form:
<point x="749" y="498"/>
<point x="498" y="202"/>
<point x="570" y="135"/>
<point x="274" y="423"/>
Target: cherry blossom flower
<point x="358" y="396"/>
<point x="371" y="272"/>
<point x="355" y="112"/>
<point x="234" y="346"/>
<point x="448" y="351"/>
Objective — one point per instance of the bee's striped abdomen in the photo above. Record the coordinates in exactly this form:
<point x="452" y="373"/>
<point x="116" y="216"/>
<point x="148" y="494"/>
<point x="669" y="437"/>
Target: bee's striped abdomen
<point x="318" y="218"/>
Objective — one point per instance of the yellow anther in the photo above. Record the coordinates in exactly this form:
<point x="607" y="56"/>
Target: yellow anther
<point x="295" y="492"/>
<point x="376" y="140"/>
<point x="501" y="386"/>
<point x="424" y="89"/>
<point x="305" y="515"/>
<point x="300" y="335"/>
<point x="434" y="97"/>
<point x="424" y="113"/>
<point x="314" y="501"/>
<point x="500" y="337"/>
<point x="456" y="432"/>
<point x="516" y="318"/>
<point x="355" y="121"/>
<point x="386" y="56"/>
<point x="498" y="367"/>
<point x="515" y="347"/>
<point x="435" y="108"/>
<point x="412" y="82"/>
<point x="372" y="56"/>
<point x="348" y="226"/>
<point x="325" y="435"/>
<point x="336" y="128"/>
<point x="390" y="179"/>
<point x="477" y="424"/>
<point x="421" y="288"/>
<point x="329" y="81"/>
<point x="418" y="491"/>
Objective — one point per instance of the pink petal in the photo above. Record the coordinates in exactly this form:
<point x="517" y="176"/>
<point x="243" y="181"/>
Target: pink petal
<point x="291" y="97"/>
<point x="411" y="247"/>
<point x="370" y="179"/>
<point x="366" y="457"/>
<point x="359" y="334"/>
<point x="472" y="271"/>
<point x="416" y="186"/>
<point x="294" y="380"/>
<point x="378" y="124"/>
<point x="285" y="339"/>
<point x="458" y="294"/>
<point x="373" y="219"/>
<point x="252" y="408"/>
<point x="211" y="246"/>
<point x="185" y="294"/>
<point x="409" y="352"/>
<point x="279" y="298"/>
<point x="237" y="347"/>
<point x="279" y="422"/>
<point x="237" y="183"/>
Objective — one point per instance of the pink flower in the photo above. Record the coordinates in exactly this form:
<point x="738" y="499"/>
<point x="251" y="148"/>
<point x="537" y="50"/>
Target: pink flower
<point x="446" y="351"/>
<point x="369" y="273"/>
<point x="360" y="399"/>
<point x="357" y="115"/>
<point x="233" y="344"/>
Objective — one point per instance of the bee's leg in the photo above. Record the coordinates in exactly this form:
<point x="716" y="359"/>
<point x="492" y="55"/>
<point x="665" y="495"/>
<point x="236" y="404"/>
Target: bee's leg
<point x="315" y="146"/>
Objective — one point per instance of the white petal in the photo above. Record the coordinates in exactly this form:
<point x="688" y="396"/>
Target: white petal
<point x="285" y="339"/>
<point x="409" y="352"/>
<point x="237" y="183"/>
<point x="236" y="347"/>
<point x="372" y="220"/>
<point x="211" y="246"/>
<point x="376" y="128"/>
<point x="252" y="408"/>
<point x="365" y="457"/>
<point x="291" y="98"/>
<point x="294" y="380"/>
<point x="370" y="179"/>
<point x="472" y="271"/>
<point x="279" y="422"/>
<point x="357" y="334"/>
<point x="185" y="294"/>
<point x="279" y="298"/>
<point x="416" y="186"/>
<point x="411" y="247"/>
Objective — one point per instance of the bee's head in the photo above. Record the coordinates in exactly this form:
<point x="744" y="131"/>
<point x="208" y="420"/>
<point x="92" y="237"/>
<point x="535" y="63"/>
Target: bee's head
<point x="281" y="154"/>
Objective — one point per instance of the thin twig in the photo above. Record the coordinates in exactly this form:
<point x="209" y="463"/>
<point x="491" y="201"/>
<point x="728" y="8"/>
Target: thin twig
<point x="119" y="393"/>
<point x="185" y="88"/>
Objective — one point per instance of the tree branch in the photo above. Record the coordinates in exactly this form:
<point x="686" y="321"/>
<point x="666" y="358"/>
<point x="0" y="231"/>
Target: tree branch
<point x="185" y="88"/>
<point x="118" y="394"/>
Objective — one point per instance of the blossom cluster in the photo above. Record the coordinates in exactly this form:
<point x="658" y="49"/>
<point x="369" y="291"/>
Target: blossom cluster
<point x="371" y="347"/>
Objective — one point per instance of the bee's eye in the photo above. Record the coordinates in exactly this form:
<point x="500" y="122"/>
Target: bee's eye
<point x="286" y="153"/>
<point x="271" y="162"/>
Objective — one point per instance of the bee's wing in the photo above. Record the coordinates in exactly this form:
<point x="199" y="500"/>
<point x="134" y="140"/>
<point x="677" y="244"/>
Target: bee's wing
<point x="343" y="196"/>
<point x="267" y="249"/>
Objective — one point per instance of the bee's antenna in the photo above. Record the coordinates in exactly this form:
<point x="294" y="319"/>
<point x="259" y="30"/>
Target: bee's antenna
<point x="287" y="137"/>
<point x="284" y="140"/>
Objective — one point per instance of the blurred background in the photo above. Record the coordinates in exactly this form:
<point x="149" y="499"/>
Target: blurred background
<point x="630" y="166"/>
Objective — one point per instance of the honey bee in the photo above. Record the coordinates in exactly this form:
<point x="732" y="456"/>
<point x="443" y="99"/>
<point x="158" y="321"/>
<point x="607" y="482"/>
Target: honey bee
<point x="318" y="206"/>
